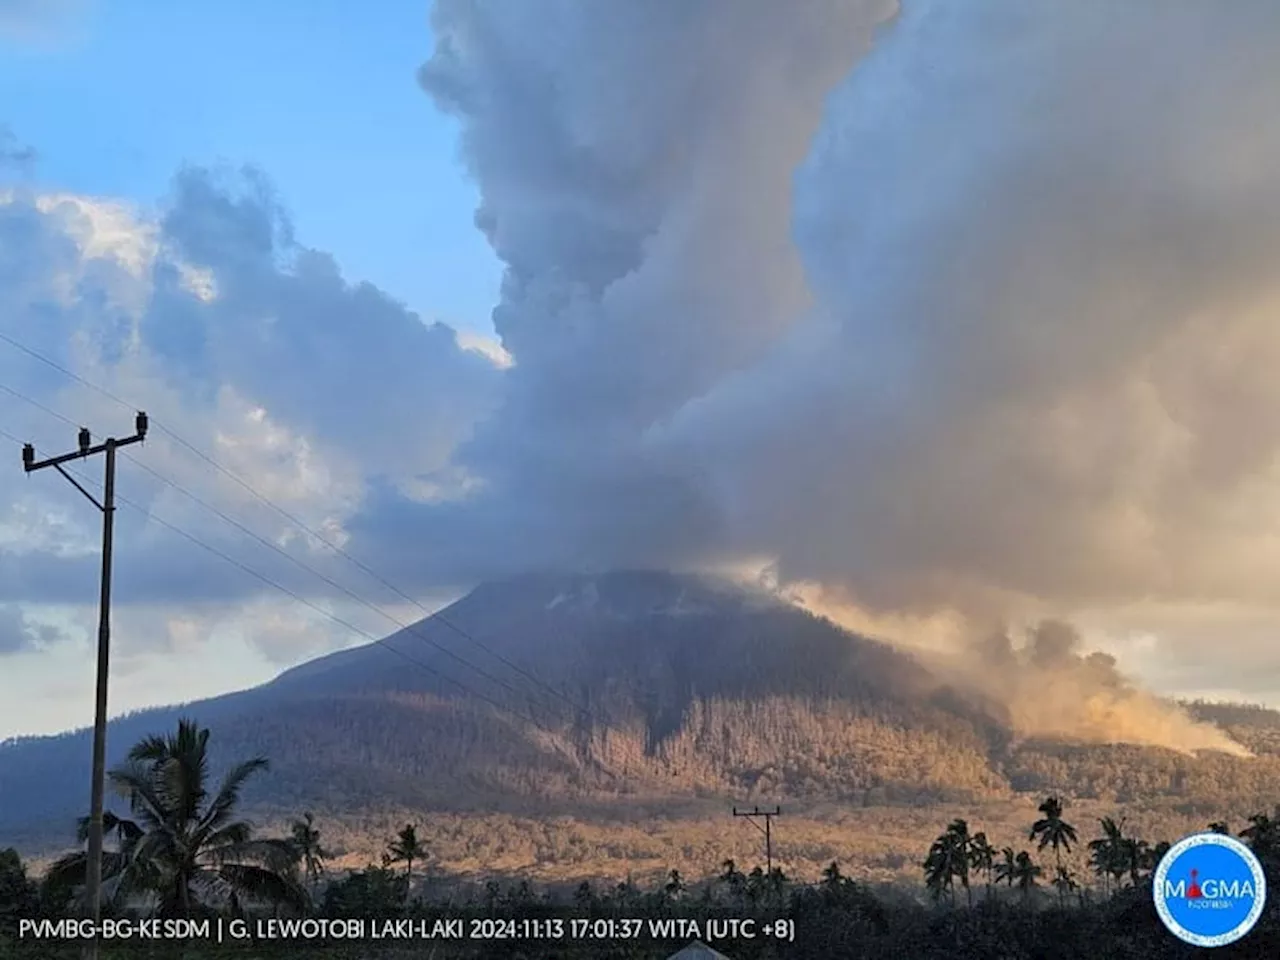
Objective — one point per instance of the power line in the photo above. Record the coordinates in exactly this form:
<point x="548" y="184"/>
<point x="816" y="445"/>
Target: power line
<point x="275" y="548"/>
<point x="36" y="403"/>
<point x="430" y="615"/>
<point x="382" y="642"/>
<point x="152" y="518"/>
<point x="410" y="629"/>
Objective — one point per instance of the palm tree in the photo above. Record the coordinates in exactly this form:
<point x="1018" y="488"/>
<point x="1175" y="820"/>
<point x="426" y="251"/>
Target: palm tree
<point x="406" y="848"/>
<point x="948" y="860"/>
<point x="962" y="843"/>
<point x="1151" y="856"/>
<point x="982" y="857"/>
<point x="1052" y="830"/>
<point x="1025" y="872"/>
<point x="183" y="848"/>
<point x="1135" y="858"/>
<point x="1109" y="854"/>
<point x="306" y="844"/>
<point x="1007" y="869"/>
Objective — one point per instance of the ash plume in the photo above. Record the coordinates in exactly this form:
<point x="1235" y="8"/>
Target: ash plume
<point x="1040" y="680"/>
<point x="1051" y="687"/>
<point x="968" y="307"/>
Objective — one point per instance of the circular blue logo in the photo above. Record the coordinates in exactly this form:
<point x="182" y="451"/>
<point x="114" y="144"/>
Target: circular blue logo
<point x="1209" y="889"/>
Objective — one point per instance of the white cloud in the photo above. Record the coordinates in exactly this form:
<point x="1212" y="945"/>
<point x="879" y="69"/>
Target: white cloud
<point x="486" y="346"/>
<point x="261" y="356"/>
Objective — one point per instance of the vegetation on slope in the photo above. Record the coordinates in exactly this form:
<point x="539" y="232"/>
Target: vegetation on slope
<point x="187" y="854"/>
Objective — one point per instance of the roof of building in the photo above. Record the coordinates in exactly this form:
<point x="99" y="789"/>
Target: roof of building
<point x="698" y="951"/>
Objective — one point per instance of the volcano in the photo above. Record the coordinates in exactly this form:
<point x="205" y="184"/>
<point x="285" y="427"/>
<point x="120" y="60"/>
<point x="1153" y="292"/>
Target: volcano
<point x="550" y="695"/>
<point x="562" y="688"/>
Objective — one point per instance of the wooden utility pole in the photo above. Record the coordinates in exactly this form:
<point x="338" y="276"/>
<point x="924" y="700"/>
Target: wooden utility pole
<point x="93" y="867"/>
<point x="767" y="829"/>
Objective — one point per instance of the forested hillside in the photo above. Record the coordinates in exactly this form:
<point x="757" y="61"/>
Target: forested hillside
<point x="630" y="692"/>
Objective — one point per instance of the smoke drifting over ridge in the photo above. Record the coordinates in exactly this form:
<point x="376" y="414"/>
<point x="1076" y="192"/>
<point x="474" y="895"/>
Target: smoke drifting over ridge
<point x="1040" y="679"/>
<point x="980" y="316"/>
<point x="1052" y="688"/>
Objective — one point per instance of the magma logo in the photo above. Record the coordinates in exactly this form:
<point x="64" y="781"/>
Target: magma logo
<point x="1209" y="889"/>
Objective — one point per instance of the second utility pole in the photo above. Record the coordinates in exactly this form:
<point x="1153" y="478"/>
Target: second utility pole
<point x="768" y="816"/>
<point x="93" y="867"/>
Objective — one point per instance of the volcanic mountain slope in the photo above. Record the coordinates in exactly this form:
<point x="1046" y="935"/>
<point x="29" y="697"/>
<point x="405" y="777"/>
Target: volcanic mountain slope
<point x="625" y="686"/>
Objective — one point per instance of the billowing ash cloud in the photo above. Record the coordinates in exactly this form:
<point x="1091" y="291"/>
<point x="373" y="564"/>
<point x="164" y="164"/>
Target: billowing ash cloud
<point x="989" y="314"/>
<point x="1044" y="253"/>
<point x="1050" y="687"/>
<point x="636" y="165"/>
<point x="983" y="319"/>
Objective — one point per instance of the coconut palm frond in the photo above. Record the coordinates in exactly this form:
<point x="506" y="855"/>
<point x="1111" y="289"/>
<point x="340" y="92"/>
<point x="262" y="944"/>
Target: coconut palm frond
<point x="232" y="834"/>
<point x="183" y="847"/>
<point x="134" y="781"/>
<point x="228" y="795"/>
<point x="256" y="883"/>
<point x="126" y="830"/>
<point x="69" y="869"/>
<point x="278" y="855"/>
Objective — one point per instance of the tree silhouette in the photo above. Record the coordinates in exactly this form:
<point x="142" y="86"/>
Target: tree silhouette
<point x="948" y="861"/>
<point x="776" y="884"/>
<point x="755" y="885"/>
<point x="1151" y="856"/>
<point x="982" y="857"/>
<point x="1263" y="836"/>
<point x="1109" y="855"/>
<point x="734" y="880"/>
<point x="1052" y="830"/>
<point x="406" y="848"/>
<point x="306" y="844"/>
<point x="181" y="842"/>
<point x="832" y="877"/>
<point x="1007" y="869"/>
<point x="1025" y="872"/>
<point x="375" y="892"/>
<point x="18" y="895"/>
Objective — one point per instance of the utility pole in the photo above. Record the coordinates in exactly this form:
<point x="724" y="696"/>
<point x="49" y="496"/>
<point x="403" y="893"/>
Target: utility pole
<point x="93" y="868"/>
<point x="767" y="816"/>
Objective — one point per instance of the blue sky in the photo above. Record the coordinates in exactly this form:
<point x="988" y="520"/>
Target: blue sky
<point x="116" y="99"/>
<point x="317" y="93"/>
